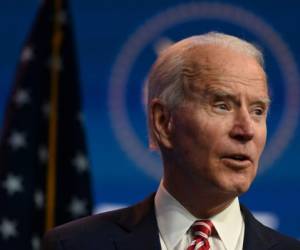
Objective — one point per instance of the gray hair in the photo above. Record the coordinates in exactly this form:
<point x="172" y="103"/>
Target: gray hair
<point x="165" y="80"/>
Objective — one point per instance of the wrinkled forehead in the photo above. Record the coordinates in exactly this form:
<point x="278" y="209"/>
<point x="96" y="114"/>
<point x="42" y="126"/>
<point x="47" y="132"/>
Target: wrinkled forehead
<point x="216" y="56"/>
<point x="207" y="65"/>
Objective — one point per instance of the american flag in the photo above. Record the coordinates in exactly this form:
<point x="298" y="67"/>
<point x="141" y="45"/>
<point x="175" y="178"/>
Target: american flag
<point x="44" y="168"/>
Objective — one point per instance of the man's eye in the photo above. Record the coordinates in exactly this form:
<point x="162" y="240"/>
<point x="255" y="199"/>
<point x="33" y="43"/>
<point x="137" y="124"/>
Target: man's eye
<point x="222" y="106"/>
<point x="258" y="111"/>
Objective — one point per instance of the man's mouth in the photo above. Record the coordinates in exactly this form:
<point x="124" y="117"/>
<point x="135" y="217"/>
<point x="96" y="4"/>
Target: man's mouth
<point x="237" y="160"/>
<point x="238" y="157"/>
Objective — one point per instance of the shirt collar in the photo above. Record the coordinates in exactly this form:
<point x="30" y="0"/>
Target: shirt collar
<point x="174" y="220"/>
<point x="229" y="224"/>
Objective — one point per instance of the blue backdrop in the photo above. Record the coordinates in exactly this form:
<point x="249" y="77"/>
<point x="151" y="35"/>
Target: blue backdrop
<point x="118" y="40"/>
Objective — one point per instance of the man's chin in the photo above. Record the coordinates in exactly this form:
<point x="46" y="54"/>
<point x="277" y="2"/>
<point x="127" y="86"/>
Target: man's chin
<point x="240" y="189"/>
<point x="238" y="183"/>
<point x="234" y="189"/>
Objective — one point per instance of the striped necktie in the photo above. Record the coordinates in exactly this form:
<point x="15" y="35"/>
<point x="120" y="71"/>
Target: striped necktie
<point x="201" y="230"/>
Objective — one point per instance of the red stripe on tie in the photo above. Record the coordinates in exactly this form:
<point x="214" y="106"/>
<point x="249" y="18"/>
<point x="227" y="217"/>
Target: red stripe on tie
<point x="201" y="230"/>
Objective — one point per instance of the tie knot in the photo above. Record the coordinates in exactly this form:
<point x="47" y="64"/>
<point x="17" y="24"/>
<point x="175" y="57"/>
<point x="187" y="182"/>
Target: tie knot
<point x="202" y="229"/>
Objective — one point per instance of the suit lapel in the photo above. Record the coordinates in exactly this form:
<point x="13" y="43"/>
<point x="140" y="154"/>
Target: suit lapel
<point x="141" y="231"/>
<point x="257" y="236"/>
<point x="141" y="228"/>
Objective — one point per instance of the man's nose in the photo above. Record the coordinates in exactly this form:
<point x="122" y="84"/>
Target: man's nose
<point x="242" y="129"/>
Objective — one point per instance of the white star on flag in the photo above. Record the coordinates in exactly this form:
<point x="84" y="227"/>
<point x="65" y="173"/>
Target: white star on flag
<point x="12" y="184"/>
<point x="80" y="162"/>
<point x="46" y="109"/>
<point x="39" y="199"/>
<point x="43" y="154"/>
<point x="62" y="17"/>
<point x="36" y="242"/>
<point x="27" y="54"/>
<point x="17" y="140"/>
<point x="8" y="229"/>
<point x="22" y="97"/>
<point x="56" y="63"/>
<point x="77" y="207"/>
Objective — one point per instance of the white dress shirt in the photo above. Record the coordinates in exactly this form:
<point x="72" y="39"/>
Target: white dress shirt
<point x="174" y="222"/>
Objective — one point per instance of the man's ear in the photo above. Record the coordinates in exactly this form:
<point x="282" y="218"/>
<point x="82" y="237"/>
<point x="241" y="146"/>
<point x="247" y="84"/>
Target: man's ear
<point x="161" y="122"/>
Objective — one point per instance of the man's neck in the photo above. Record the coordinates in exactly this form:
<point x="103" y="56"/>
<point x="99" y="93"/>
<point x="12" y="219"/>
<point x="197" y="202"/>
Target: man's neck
<point x="201" y="203"/>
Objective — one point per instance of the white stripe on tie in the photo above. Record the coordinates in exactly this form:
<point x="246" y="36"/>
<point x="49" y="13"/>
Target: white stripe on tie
<point x="201" y="230"/>
<point x="199" y="233"/>
<point x="200" y="244"/>
<point x="201" y="223"/>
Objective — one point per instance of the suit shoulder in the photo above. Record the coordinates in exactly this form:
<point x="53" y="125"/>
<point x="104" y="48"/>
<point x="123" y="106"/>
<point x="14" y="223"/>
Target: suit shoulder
<point x="87" y="232"/>
<point x="91" y="223"/>
<point x="80" y="233"/>
<point x="282" y="241"/>
<point x="258" y="234"/>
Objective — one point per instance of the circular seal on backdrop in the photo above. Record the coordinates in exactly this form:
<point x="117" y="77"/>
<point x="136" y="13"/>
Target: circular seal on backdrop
<point x="122" y="127"/>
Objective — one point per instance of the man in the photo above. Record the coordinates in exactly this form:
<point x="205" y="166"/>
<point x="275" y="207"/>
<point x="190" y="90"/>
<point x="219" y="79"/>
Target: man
<point x="207" y="108"/>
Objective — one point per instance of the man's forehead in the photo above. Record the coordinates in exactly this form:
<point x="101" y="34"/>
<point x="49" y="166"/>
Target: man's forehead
<point x="208" y="80"/>
<point x="231" y="92"/>
<point x="207" y="52"/>
<point x="214" y="54"/>
<point x="212" y="64"/>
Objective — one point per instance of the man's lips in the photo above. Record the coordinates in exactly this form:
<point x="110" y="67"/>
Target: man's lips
<point x="238" y="157"/>
<point x="237" y="160"/>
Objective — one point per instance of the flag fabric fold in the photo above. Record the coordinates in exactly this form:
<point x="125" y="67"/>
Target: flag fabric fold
<point x="44" y="168"/>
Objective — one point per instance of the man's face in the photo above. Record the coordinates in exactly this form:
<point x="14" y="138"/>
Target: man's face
<point x="219" y="132"/>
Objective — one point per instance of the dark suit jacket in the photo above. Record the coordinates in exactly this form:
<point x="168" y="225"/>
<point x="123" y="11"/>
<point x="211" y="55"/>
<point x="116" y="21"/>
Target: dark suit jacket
<point x="135" y="228"/>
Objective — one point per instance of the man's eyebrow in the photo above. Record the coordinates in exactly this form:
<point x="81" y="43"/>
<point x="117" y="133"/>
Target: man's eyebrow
<point x="216" y="92"/>
<point x="220" y="93"/>
<point x="264" y="101"/>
